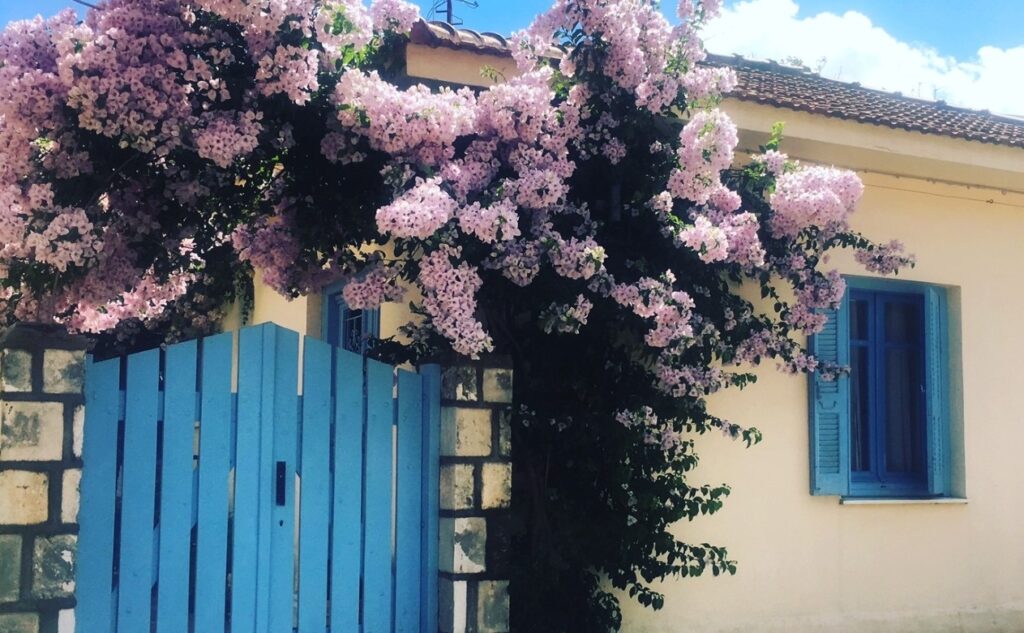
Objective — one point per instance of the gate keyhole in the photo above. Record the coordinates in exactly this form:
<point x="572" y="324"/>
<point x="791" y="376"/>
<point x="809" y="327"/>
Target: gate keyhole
<point x="280" y="480"/>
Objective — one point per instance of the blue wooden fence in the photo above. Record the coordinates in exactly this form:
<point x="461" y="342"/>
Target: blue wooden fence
<point x="213" y="509"/>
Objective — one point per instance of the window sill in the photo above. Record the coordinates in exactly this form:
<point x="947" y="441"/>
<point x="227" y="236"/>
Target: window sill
<point x="881" y="501"/>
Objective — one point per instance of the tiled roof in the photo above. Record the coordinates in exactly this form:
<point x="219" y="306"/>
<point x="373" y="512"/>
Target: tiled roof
<point x="797" y="88"/>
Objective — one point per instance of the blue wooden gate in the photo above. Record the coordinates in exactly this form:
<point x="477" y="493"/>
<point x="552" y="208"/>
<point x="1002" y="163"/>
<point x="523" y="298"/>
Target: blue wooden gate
<point x="216" y="499"/>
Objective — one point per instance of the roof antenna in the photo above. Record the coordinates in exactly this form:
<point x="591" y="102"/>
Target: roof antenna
<point x="446" y="8"/>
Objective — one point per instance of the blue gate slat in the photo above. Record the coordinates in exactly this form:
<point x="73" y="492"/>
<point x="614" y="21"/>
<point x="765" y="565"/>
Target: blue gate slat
<point x="95" y="558"/>
<point x="409" y="504"/>
<point x="346" y="542"/>
<point x="284" y="422"/>
<point x="377" y="573"/>
<point x="315" y="509"/>
<point x="214" y="466"/>
<point x="176" y="487"/>
<point x="247" y="484"/>
<point x="431" y="470"/>
<point x="134" y="608"/>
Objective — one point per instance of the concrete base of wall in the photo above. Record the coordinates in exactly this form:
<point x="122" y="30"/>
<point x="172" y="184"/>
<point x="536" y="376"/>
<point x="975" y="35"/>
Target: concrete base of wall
<point x="1003" y="619"/>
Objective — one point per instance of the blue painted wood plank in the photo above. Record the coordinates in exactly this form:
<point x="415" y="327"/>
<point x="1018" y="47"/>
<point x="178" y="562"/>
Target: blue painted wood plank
<point x="138" y="502"/>
<point x="315" y="509"/>
<point x="214" y="467"/>
<point x="378" y="581"/>
<point x="284" y="422"/>
<point x="431" y="412"/>
<point x="176" y="487"/>
<point x="95" y="559"/>
<point x="347" y="502"/>
<point x="247" y="481"/>
<point x="409" y="504"/>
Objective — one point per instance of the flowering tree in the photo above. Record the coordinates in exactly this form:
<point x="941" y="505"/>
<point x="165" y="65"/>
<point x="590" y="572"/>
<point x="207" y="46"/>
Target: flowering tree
<point x="586" y="217"/>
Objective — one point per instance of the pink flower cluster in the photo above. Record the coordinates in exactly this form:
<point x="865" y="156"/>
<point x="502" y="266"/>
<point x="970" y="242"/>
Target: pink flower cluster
<point x="289" y="70"/>
<point x="415" y="123"/>
<point x="419" y="212"/>
<point x="636" y="40"/>
<point x="724" y="236"/>
<point x="469" y="181"/>
<point x="818" y="197"/>
<point x="342" y="25"/>
<point x="670" y="309"/>
<point x="566" y="318"/>
<point x="127" y="75"/>
<point x="817" y="293"/>
<point x="490" y="224"/>
<point x="657" y="432"/>
<point x="885" y="259"/>
<point x="372" y="289"/>
<point x="706" y="147"/>
<point x="394" y="15"/>
<point x="449" y="299"/>
<point x="226" y="136"/>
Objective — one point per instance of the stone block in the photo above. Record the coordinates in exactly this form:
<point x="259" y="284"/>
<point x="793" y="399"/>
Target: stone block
<point x="505" y="433"/>
<point x="66" y="621"/>
<point x="459" y="383"/>
<point x="63" y="371"/>
<point x="463" y="545"/>
<point x="17" y="370"/>
<point x="77" y="430"/>
<point x="452" y="605"/>
<point x="497" y="486"/>
<point x="456" y="486"/>
<point x="10" y="567"/>
<point x="498" y="385"/>
<point x="492" y="605"/>
<point x="31" y="431"/>
<point x="465" y="432"/>
<point x="53" y="566"/>
<point x="19" y="623"/>
<point x="69" y="496"/>
<point x="24" y="497"/>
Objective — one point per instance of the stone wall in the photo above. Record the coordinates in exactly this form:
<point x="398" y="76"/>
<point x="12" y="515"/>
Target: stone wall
<point x="41" y="419"/>
<point x="41" y="415"/>
<point x="476" y="494"/>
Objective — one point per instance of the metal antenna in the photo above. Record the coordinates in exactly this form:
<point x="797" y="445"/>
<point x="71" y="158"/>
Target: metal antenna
<point x="447" y="9"/>
<point x="86" y="4"/>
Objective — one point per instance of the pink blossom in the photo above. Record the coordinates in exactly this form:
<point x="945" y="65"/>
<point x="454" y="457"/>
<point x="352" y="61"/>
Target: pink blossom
<point x="370" y="290"/>
<point x="419" y="212"/>
<point x="706" y="147"/>
<point x="449" y="298"/>
<point x="394" y="15"/>
<point x="819" y="197"/>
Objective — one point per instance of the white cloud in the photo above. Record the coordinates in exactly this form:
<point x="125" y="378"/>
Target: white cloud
<point x="854" y="49"/>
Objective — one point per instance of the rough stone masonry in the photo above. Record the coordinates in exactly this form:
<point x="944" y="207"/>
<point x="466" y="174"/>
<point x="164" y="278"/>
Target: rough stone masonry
<point x="476" y="496"/>
<point x="41" y="415"/>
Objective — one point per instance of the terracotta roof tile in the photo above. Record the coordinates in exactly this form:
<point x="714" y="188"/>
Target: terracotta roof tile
<point x="796" y="88"/>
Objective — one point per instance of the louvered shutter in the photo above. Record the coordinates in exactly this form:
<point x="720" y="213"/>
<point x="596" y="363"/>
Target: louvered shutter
<point x="830" y="408"/>
<point x="937" y="390"/>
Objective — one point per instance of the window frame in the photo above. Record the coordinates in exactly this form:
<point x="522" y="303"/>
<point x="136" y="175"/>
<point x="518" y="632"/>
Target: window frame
<point x="831" y="401"/>
<point x="334" y="314"/>
<point x="877" y="480"/>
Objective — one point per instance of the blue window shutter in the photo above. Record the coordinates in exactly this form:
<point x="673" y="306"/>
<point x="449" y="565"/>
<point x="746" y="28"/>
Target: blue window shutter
<point x="830" y="408"/>
<point x="937" y="390"/>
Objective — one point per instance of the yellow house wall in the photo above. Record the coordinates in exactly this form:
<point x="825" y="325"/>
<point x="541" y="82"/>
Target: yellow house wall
<point x="810" y="564"/>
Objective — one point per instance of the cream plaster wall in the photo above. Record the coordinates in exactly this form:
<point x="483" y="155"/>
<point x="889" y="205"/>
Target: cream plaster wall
<point x="810" y="564"/>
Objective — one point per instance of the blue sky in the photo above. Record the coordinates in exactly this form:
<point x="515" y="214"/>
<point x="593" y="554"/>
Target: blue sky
<point x="968" y="54"/>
